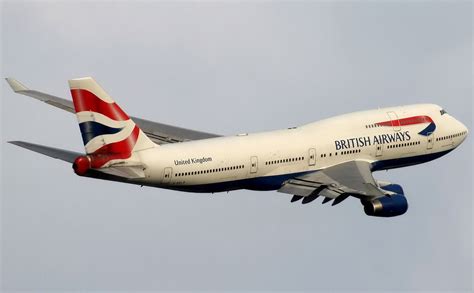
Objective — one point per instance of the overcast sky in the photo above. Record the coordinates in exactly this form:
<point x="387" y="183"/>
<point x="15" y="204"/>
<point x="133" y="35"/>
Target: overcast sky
<point x="229" y="68"/>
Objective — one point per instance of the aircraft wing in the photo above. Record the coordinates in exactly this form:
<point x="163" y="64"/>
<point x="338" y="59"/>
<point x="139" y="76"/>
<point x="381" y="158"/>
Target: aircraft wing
<point x="337" y="182"/>
<point x="160" y="133"/>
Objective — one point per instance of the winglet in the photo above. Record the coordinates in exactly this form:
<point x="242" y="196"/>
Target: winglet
<point x="16" y="85"/>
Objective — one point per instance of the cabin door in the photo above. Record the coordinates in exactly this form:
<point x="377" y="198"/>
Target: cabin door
<point x="378" y="150"/>
<point x="253" y="165"/>
<point x="394" y="119"/>
<point x="312" y="157"/>
<point x="430" y="143"/>
<point x="167" y="174"/>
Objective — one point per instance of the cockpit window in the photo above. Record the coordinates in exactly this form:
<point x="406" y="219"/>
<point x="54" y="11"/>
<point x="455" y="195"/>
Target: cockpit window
<point x="442" y="111"/>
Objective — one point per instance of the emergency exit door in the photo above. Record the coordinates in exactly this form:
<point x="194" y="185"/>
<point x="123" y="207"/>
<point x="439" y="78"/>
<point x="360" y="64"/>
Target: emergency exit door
<point x="378" y="149"/>
<point x="312" y="157"/>
<point x="167" y="174"/>
<point x="253" y="164"/>
<point x="430" y="141"/>
<point x="394" y="120"/>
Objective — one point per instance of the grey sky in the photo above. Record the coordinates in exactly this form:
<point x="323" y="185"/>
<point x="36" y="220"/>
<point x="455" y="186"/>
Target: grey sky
<point x="230" y="68"/>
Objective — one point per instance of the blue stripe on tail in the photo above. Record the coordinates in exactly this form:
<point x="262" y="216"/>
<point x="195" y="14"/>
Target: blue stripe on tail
<point x="91" y="129"/>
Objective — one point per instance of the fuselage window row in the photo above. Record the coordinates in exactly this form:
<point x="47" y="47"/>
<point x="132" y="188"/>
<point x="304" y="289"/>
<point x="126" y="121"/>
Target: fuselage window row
<point x="350" y="152"/>
<point x="451" y="136"/>
<point x="403" y="144"/>
<point x="373" y="125"/>
<point x="342" y="153"/>
<point x="191" y="173"/>
<point x="284" y="161"/>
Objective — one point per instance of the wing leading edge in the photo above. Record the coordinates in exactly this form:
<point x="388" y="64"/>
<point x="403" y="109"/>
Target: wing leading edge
<point x="160" y="133"/>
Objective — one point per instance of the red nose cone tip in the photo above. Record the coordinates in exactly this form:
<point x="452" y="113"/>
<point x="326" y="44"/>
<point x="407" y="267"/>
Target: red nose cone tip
<point x="81" y="165"/>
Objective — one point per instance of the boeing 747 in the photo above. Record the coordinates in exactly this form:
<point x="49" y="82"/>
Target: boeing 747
<point x="332" y="158"/>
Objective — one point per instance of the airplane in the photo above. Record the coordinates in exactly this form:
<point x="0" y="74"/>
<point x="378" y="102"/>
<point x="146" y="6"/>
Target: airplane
<point x="332" y="158"/>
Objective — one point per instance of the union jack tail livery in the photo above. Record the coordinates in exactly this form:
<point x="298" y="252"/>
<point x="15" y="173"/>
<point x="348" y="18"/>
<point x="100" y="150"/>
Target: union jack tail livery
<point x="108" y="133"/>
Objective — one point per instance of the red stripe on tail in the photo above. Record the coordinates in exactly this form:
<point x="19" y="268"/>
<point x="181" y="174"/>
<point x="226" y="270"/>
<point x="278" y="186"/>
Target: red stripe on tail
<point x="87" y="101"/>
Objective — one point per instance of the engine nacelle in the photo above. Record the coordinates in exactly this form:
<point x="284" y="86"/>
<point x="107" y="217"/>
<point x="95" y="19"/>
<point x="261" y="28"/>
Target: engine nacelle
<point x="391" y="187"/>
<point x="386" y="206"/>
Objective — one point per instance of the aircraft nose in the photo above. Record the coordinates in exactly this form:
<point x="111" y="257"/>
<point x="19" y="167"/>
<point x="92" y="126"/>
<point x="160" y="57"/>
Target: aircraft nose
<point x="462" y="129"/>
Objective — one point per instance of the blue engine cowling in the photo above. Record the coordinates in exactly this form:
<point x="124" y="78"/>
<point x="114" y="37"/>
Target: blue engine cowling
<point x="398" y="189"/>
<point x="386" y="206"/>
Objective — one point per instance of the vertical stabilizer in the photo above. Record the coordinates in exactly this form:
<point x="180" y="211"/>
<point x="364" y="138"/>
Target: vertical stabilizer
<point x="107" y="131"/>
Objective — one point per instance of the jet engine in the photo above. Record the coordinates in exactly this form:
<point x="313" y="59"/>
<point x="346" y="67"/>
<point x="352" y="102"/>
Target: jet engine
<point x="386" y="206"/>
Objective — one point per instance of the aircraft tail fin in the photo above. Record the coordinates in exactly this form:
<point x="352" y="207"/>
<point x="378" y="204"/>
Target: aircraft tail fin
<point x="104" y="126"/>
<point x="108" y="133"/>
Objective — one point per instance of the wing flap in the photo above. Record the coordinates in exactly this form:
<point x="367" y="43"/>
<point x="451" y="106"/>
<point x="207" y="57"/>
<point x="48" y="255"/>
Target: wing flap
<point x="297" y="189"/>
<point x="353" y="177"/>
<point x="337" y="182"/>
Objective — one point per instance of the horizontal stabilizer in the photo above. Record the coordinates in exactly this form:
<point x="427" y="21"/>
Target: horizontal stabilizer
<point x="64" y="155"/>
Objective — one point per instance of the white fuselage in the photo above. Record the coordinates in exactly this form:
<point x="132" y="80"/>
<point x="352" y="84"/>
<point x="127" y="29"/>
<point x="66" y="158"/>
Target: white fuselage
<point x="386" y="138"/>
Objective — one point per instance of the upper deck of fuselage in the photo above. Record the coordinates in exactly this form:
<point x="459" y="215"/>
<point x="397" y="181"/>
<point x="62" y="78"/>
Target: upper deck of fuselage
<point x="368" y="117"/>
<point x="341" y="125"/>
